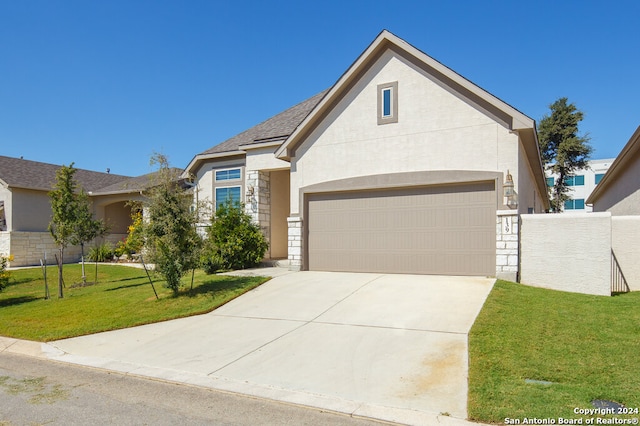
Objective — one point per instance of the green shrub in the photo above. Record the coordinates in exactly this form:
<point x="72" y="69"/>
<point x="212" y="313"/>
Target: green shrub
<point x="212" y="263"/>
<point x="233" y="242"/>
<point x="4" y="274"/>
<point x="101" y="253"/>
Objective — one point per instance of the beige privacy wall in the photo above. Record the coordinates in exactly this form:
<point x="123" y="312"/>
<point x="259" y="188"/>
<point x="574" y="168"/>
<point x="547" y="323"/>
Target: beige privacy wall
<point x="567" y="252"/>
<point x="626" y="246"/>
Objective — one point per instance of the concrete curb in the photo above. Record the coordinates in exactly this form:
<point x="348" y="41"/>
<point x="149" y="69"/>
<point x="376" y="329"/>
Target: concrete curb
<point x="48" y="351"/>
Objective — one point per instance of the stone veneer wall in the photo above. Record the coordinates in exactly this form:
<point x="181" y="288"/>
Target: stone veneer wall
<point x="259" y="205"/>
<point x="507" y="248"/>
<point x="295" y="242"/>
<point x="28" y="248"/>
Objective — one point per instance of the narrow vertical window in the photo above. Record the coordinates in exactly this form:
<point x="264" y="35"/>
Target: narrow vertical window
<point x="388" y="103"/>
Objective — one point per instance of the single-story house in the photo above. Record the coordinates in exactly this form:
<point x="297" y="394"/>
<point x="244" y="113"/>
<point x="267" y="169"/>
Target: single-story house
<point x="25" y="207"/>
<point x="619" y="190"/>
<point x="402" y="166"/>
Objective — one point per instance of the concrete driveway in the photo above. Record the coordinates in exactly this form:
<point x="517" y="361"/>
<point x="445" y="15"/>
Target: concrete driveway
<point x="391" y="347"/>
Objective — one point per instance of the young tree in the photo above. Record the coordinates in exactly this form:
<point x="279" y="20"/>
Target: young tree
<point x="563" y="151"/>
<point x="86" y="228"/>
<point x="169" y="226"/>
<point x="64" y="206"/>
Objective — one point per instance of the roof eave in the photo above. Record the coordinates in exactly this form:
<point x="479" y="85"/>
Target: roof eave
<point x="626" y="156"/>
<point x="259" y="145"/>
<point x="529" y="138"/>
<point x="203" y="157"/>
<point x="120" y="192"/>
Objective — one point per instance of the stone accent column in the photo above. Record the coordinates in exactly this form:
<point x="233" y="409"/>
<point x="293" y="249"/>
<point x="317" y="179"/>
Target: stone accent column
<point x="295" y="243"/>
<point x="507" y="245"/>
<point x="5" y="244"/>
<point x="258" y="202"/>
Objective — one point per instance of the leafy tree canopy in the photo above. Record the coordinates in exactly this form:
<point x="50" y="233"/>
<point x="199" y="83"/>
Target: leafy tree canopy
<point x="170" y="225"/>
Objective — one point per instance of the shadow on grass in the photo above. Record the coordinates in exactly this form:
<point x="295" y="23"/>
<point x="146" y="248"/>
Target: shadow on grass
<point x="117" y="280"/>
<point x="220" y="284"/>
<point x="13" y="281"/>
<point x="128" y="285"/>
<point x="18" y="301"/>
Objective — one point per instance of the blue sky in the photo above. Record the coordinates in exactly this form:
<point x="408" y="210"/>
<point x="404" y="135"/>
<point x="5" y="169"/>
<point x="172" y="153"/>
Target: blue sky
<point x="105" y="84"/>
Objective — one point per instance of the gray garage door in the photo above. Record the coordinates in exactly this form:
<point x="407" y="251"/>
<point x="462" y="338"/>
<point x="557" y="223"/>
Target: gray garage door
<point x="447" y="230"/>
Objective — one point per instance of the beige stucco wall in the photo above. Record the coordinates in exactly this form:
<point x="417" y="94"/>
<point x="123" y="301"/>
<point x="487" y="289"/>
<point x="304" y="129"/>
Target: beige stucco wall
<point x="568" y="252"/>
<point x="118" y="217"/>
<point x="529" y="196"/>
<point x="436" y="130"/>
<point x="30" y="210"/>
<point x="205" y="178"/>
<point x="263" y="159"/>
<point x="622" y="196"/>
<point x="5" y="196"/>
<point x="279" y="212"/>
<point x="626" y="246"/>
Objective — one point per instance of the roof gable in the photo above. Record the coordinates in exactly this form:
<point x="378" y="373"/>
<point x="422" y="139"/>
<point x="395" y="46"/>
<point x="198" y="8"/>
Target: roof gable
<point x="481" y="99"/>
<point x="27" y="174"/>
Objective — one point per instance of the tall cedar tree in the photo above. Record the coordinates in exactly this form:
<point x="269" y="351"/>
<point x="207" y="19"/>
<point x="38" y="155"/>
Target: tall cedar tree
<point x="563" y="151"/>
<point x="169" y="226"/>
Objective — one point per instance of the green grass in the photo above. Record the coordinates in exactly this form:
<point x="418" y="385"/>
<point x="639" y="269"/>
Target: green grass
<point x="587" y="346"/>
<point x="122" y="298"/>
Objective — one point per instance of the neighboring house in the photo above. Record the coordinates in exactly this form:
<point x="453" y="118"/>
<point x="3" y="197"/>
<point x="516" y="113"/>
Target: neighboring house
<point x="402" y="166"/>
<point x="619" y="190"/>
<point x="582" y="184"/>
<point x="25" y="210"/>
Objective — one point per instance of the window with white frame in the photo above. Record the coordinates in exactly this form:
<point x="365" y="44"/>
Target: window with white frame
<point x="228" y="174"/>
<point x="226" y="193"/>
<point x="227" y="185"/>
<point x="388" y="103"/>
<point x="577" y="204"/>
<point x="575" y="180"/>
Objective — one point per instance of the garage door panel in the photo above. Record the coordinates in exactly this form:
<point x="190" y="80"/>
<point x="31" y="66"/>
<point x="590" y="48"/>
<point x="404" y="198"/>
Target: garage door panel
<point x="431" y="230"/>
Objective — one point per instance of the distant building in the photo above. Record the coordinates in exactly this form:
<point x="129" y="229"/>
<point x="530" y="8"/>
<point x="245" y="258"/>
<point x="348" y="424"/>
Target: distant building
<point x="582" y="184"/>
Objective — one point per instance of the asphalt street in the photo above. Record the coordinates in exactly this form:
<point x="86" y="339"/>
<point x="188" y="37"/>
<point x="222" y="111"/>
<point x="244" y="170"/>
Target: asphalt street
<point x="36" y="391"/>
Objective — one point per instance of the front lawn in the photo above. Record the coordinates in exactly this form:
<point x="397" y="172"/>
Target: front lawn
<point x="122" y="298"/>
<point x="538" y="354"/>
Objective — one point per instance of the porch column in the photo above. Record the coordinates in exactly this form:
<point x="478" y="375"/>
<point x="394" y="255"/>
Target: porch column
<point x="258" y="202"/>
<point x="507" y="245"/>
<point x="295" y="242"/>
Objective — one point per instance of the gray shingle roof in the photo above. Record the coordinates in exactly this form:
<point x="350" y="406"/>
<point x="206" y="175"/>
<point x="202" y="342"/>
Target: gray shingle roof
<point x="135" y="184"/>
<point x="280" y="125"/>
<point x="19" y="173"/>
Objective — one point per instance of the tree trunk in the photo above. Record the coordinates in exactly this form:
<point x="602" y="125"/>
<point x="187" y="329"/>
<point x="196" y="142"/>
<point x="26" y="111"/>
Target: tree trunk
<point x="60" y="280"/>
<point x="84" y="276"/>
